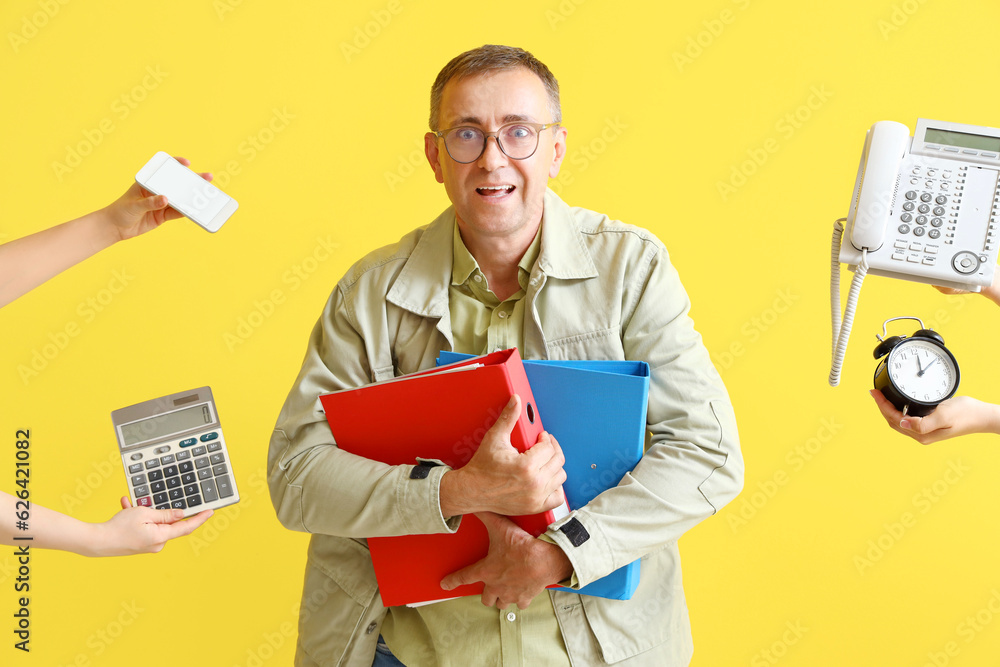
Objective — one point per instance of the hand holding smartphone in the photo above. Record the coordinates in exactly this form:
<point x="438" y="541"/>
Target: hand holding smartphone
<point x="187" y="192"/>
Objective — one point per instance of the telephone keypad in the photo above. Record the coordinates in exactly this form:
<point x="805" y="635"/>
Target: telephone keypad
<point x="923" y="208"/>
<point x="908" y="206"/>
<point x="904" y="229"/>
<point x="941" y="199"/>
<point x="918" y="231"/>
<point x="921" y="219"/>
<point x="911" y="195"/>
<point x="926" y="196"/>
<point x="906" y="217"/>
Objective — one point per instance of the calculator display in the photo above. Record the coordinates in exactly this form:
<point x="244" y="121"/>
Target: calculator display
<point x="166" y="424"/>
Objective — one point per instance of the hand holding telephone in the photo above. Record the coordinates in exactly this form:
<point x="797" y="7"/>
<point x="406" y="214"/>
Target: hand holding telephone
<point x="186" y="191"/>
<point x="924" y="208"/>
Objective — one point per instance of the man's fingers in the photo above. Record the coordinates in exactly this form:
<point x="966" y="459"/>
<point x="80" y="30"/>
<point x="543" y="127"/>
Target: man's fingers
<point x="466" y="575"/>
<point x="505" y="422"/>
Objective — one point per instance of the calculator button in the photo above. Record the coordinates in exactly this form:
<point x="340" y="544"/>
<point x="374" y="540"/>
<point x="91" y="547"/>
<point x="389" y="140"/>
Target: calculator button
<point x="164" y="506"/>
<point x="136" y="457"/>
<point x="158" y="486"/>
<point x="220" y="469"/>
<point x="170" y="471"/>
<point x="209" y="491"/>
<point x="173" y="482"/>
<point x="155" y="475"/>
<point x="187" y="466"/>
<point x="138" y="479"/>
<point x="178" y="504"/>
<point x="176" y="494"/>
<point x="161" y="450"/>
<point x="160" y="498"/>
<point x="199" y="451"/>
<point x="135" y="467"/>
<point x="215" y="446"/>
<point x="209" y="436"/>
<point x="191" y="490"/>
<point x="188" y="478"/>
<point x="225" y="486"/>
<point x="153" y="463"/>
<point x="205" y="473"/>
<point x="167" y="460"/>
<point x="202" y="462"/>
<point x="142" y="490"/>
<point x="188" y="442"/>
<point x="217" y="459"/>
<point x="183" y="456"/>
<point x="145" y="501"/>
<point x="194" y="501"/>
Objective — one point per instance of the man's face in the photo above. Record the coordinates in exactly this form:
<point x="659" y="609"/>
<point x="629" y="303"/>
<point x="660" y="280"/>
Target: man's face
<point x="487" y="102"/>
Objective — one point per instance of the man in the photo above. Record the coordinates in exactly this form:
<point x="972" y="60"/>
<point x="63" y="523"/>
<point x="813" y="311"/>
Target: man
<point x="508" y="264"/>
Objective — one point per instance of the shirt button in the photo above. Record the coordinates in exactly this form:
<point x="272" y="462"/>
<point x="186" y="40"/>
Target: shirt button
<point x="371" y="628"/>
<point x="478" y="278"/>
<point x="510" y="616"/>
<point x="502" y="315"/>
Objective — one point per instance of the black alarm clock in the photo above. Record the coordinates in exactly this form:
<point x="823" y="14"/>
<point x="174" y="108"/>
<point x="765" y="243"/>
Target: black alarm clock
<point x="916" y="373"/>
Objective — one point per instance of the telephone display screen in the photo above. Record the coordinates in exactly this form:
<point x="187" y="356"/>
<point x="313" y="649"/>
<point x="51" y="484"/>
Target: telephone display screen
<point x="162" y="425"/>
<point x="962" y="139"/>
<point x="188" y="191"/>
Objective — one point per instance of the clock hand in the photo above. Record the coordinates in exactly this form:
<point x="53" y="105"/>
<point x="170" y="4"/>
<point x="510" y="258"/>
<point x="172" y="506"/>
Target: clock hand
<point x="929" y="365"/>
<point x="920" y="369"/>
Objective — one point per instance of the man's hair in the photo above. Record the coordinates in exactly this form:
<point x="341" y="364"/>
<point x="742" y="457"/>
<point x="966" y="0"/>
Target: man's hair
<point x="490" y="59"/>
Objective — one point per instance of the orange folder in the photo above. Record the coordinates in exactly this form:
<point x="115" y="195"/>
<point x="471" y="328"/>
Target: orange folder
<point x="440" y="414"/>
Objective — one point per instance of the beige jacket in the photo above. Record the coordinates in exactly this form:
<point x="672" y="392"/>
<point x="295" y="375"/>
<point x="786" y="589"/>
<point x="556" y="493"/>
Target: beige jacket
<point x="600" y="290"/>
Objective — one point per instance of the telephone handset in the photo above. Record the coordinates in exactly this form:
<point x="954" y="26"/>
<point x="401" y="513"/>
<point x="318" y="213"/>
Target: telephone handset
<point x="924" y="208"/>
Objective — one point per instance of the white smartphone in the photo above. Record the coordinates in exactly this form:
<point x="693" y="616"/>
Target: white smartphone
<point x="186" y="191"/>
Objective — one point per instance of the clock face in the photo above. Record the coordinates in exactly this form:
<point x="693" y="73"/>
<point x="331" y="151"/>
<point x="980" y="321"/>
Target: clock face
<point x="922" y="371"/>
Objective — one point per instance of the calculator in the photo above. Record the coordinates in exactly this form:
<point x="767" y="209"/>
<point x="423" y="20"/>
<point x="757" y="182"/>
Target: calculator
<point x="174" y="453"/>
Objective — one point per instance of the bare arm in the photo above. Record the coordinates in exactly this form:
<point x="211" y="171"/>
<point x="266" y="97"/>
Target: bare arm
<point x="133" y="530"/>
<point x="28" y="262"/>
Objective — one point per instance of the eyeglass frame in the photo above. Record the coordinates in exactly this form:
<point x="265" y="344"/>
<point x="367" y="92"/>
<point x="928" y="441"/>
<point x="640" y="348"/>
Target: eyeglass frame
<point x="539" y="128"/>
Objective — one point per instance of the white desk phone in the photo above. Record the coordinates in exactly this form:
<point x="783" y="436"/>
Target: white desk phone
<point x="924" y="208"/>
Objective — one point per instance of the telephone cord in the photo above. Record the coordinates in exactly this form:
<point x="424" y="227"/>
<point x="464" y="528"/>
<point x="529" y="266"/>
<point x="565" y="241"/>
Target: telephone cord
<point x="842" y="328"/>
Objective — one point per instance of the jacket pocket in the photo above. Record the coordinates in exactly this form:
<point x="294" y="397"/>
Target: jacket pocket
<point x="339" y="615"/>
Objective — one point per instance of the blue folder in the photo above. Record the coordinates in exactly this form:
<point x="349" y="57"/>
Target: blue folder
<point x="597" y="412"/>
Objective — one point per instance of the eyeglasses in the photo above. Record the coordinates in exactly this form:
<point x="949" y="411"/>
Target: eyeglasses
<point x="518" y="141"/>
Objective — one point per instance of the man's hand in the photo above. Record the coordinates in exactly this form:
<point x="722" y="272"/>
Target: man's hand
<point x="957" y="416"/>
<point x="500" y="479"/>
<point x="517" y="568"/>
<point x="138" y="211"/>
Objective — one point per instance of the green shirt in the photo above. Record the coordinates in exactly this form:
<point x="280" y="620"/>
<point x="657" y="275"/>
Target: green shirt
<point x="443" y="633"/>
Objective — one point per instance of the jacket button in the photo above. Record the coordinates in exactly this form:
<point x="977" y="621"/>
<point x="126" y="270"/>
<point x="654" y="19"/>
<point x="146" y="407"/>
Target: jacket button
<point x="371" y="628"/>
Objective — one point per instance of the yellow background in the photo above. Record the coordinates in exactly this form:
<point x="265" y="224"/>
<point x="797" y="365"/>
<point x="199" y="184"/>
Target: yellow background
<point x="663" y="103"/>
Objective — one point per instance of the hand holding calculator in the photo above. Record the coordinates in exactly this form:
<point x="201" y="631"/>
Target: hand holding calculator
<point x="174" y="453"/>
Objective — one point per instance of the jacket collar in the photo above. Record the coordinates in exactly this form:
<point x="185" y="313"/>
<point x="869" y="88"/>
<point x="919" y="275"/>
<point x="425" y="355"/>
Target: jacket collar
<point x="422" y="286"/>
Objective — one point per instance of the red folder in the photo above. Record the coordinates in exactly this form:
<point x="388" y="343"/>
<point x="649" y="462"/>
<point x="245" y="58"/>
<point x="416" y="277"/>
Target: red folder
<point x="440" y="414"/>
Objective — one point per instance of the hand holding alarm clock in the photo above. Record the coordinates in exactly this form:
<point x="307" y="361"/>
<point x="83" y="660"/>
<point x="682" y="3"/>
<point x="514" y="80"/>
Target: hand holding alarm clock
<point x="916" y="373"/>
